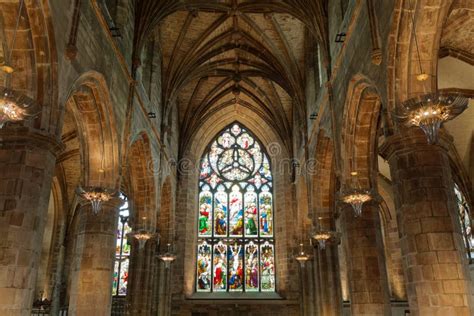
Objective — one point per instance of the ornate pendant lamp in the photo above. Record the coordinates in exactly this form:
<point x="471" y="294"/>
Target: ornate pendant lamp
<point x="429" y="111"/>
<point x="324" y="237"/>
<point x="168" y="257"/>
<point x="14" y="106"/>
<point x="355" y="196"/>
<point x="143" y="234"/>
<point x="96" y="196"/>
<point x="302" y="256"/>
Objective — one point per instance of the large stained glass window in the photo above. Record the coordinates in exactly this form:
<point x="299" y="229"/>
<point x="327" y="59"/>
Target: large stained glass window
<point x="465" y="219"/>
<point x="235" y="250"/>
<point x="122" y="251"/>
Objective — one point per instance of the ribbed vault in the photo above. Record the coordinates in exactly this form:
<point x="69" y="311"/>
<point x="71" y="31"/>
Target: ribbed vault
<point x="232" y="53"/>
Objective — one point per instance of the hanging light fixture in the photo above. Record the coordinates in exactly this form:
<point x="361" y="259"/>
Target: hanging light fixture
<point x="14" y="106"/>
<point x="143" y="234"/>
<point x="355" y="195"/>
<point x="302" y="257"/>
<point x="96" y="196"/>
<point x="324" y="237"/>
<point x="429" y="111"/>
<point x="168" y="257"/>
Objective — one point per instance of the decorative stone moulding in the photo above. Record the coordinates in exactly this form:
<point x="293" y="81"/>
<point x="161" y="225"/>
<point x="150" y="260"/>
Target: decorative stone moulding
<point x="96" y="196"/>
<point x="15" y="107"/>
<point x="430" y="111"/>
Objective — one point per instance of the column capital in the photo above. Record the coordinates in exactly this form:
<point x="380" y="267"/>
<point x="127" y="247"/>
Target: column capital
<point x="413" y="139"/>
<point x="15" y="136"/>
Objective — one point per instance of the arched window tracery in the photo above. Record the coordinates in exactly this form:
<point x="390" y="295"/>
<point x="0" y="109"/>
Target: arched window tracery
<point x="235" y="251"/>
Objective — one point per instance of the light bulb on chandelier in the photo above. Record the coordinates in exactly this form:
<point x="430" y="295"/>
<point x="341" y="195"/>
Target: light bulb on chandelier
<point x="143" y="234"/>
<point x="429" y="111"/>
<point x="14" y="106"/>
<point x="168" y="257"/>
<point x="355" y="195"/>
<point x="302" y="256"/>
<point x="324" y="237"/>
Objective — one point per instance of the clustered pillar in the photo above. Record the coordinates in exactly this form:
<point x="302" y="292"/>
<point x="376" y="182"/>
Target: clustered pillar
<point x="434" y="257"/>
<point x="93" y="263"/>
<point x="142" y="276"/>
<point x="26" y="166"/>
<point x="369" y="291"/>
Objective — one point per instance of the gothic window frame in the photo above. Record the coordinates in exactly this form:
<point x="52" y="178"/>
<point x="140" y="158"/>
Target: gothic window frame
<point x="122" y="250"/>
<point x="255" y="188"/>
<point x="464" y="217"/>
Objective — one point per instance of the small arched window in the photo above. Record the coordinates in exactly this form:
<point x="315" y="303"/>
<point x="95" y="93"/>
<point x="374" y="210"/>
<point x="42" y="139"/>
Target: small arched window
<point x="235" y="251"/>
<point x="122" y="250"/>
<point x="465" y="220"/>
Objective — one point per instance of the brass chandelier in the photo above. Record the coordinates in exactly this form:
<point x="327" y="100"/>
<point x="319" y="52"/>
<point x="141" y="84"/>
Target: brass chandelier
<point x="14" y="106"/>
<point x="324" y="237"/>
<point x="431" y="110"/>
<point x="168" y="257"/>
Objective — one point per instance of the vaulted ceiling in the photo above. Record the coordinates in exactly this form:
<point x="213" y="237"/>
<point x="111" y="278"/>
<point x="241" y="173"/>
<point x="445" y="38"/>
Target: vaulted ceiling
<point x="215" y="60"/>
<point x="233" y="53"/>
<point x="458" y="30"/>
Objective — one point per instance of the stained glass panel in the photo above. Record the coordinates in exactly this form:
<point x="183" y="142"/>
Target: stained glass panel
<point x="266" y="213"/>
<point x="122" y="251"/>
<point x="204" y="268"/>
<point x="267" y="266"/>
<point x="235" y="251"/>
<point x="205" y="212"/>
<point x="236" y="272"/>
<point x="220" y="267"/>
<point x="236" y="212"/>
<point x="220" y="212"/>
<point x="251" y="267"/>
<point x="465" y="221"/>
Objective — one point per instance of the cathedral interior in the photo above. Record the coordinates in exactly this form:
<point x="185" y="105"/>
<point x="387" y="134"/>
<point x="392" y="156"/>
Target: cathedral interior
<point x="236" y="157"/>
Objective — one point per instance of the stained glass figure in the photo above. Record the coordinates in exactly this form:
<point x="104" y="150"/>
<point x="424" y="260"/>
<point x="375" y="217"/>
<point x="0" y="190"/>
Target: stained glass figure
<point x="235" y="251"/>
<point x="220" y="212"/>
<point x="204" y="268"/>
<point x="465" y="221"/>
<point x="267" y="266"/>
<point x="236" y="271"/>
<point x="205" y="212"/>
<point x="220" y="267"/>
<point x="266" y="217"/>
<point x="122" y="251"/>
<point x="251" y="267"/>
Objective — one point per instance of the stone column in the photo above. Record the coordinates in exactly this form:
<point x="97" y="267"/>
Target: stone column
<point x="434" y="258"/>
<point x="93" y="263"/>
<point x="305" y="277"/>
<point x="27" y="164"/>
<point x="327" y="276"/>
<point x="369" y="290"/>
<point x="331" y="296"/>
<point x="141" y="276"/>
